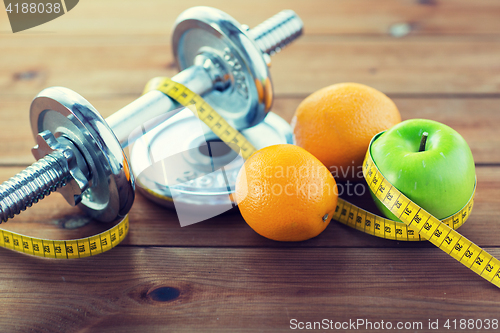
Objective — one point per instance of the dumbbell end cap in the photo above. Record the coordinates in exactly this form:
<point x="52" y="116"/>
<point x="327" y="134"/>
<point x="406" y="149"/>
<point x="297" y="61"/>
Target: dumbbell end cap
<point x="65" y="113"/>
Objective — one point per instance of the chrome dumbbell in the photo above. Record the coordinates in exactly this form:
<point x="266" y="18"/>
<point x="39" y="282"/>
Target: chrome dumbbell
<point x="80" y="154"/>
<point x="221" y="60"/>
<point x="241" y="92"/>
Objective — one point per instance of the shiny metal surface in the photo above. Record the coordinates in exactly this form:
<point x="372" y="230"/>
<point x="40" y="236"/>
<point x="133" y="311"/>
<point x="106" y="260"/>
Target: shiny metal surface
<point x="235" y="81"/>
<point x="206" y="30"/>
<point x="272" y="35"/>
<point x="66" y="114"/>
<point x="221" y="62"/>
<point x="32" y="184"/>
<point x="77" y="179"/>
<point x="154" y="104"/>
<point x="199" y="181"/>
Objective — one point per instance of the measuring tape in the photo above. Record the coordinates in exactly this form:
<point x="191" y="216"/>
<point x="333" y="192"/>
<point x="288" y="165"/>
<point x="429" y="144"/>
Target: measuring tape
<point x="417" y="224"/>
<point x="438" y="233"/>
<point x="66" y="249"/>
<point x="203" y="111"/>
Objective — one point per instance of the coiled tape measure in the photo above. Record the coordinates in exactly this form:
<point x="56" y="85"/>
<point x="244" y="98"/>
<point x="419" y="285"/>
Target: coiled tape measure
<point x="66" y="249"/>
<point x="417" y="224"/>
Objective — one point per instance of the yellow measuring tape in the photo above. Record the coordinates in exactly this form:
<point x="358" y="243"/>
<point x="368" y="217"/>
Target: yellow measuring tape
<point x="417" y="224"/>
<point x="204" y="111"/>
<point x="427" y="226"/>
<point x="66" y="249"/>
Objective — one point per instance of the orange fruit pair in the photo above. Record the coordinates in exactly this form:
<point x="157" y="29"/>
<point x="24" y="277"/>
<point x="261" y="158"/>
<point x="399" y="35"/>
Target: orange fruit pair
<point x="287" y="193"/>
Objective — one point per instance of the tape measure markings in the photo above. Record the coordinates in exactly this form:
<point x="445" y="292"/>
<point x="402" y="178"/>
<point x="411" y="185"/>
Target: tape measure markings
<point x="373" y="224"/>
<point x="417" y="224"/>
<point x="89" y="246"/>
<point x="378" y="226"/>
<point x="204" y="112"/>
<point x="438" y="233"/>
<point x="66" y="249"/>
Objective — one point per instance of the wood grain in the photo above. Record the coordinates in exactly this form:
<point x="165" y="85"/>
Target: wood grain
<point x="98" y="66"/>
<point x="219" y="275"/>
<point x="476" y="119"/>
<point x="340" y="17"/>
<point x="153" y="225"/>
<point x="480" y="131"/>
<point x="228" y="290"/>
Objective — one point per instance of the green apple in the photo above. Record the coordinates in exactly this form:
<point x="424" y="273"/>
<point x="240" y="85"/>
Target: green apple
<point x="428" y="162"/>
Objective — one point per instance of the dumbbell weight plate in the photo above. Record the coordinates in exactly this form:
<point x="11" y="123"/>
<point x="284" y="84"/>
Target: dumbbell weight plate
<point x="65" y="113"/>
<point x="176" y="151"/>
<point x="206" y="30"/>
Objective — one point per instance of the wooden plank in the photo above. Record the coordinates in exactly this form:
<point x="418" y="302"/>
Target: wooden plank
<point x="420" y="65"/>
<point x="227" y="277"/>
<point x="228" y="290"/>
<point x="153" y="225"/>
<point x="476" y="119"/>
<point x="445" y="17"/>
<point x="89" y="65"/>
<point x="480" y="131"/>
<point x="16" y="127"/>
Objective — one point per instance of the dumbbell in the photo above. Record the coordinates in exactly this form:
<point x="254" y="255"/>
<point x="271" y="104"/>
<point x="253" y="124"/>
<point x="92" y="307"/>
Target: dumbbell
<point x="244" y="105"/>
<point x="81" y="155"/>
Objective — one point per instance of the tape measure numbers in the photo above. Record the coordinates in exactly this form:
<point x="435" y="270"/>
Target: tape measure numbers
<point x="66" y="249"/>
<point x="89" y="246"/>
<point x="416" y="225"/>
<point x="429" y="227"/>
<point x="375" y="225"/>
<point x="203" y="111"/>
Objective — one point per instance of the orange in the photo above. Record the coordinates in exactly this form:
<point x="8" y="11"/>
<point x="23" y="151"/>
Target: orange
<point x="336" y="124"/>
<point x="286" y="194"/>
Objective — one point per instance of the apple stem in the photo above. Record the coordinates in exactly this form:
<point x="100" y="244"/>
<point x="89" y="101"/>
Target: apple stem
<point x="423" y="140"/>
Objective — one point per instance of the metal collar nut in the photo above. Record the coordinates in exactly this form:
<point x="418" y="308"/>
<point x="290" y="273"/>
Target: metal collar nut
<point x="71" y="160"/>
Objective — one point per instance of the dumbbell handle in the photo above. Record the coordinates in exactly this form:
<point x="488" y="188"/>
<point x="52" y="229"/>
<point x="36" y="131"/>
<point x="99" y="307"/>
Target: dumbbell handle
<point x="54" y="170"/>
<point x="154" y="107"/>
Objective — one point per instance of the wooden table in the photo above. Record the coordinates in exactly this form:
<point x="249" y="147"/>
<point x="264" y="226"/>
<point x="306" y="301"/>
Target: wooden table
<point x="437" y="59"/>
